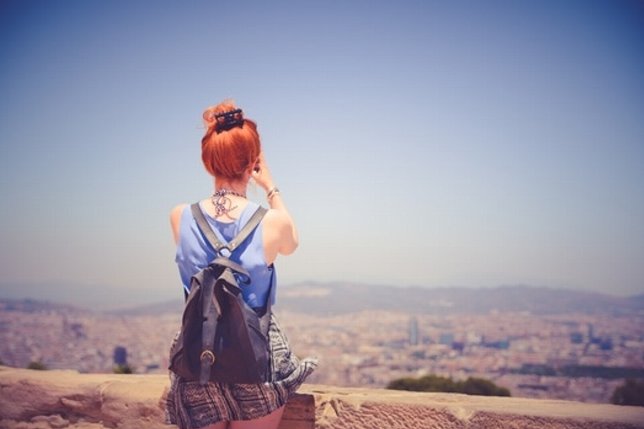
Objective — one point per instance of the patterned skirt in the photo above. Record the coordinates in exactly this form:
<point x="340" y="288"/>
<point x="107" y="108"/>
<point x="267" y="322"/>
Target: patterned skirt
<point x="191" y="406"/>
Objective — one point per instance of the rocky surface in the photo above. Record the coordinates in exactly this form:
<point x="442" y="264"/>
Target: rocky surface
<point x="66" y="399"/>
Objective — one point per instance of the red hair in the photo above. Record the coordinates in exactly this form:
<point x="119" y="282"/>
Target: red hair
<point x="229" y="153"/>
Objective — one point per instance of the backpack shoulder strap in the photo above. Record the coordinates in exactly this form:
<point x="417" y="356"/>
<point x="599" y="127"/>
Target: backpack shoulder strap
<point x="205" y="228"/>
<point x="247" y="229"/>
<point x="210" y="235"/>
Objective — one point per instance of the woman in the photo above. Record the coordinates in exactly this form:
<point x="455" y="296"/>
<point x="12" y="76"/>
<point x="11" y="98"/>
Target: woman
<point x="231" y="152"/>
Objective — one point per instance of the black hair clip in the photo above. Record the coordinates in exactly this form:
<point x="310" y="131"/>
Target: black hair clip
<point x="228" y="120"/>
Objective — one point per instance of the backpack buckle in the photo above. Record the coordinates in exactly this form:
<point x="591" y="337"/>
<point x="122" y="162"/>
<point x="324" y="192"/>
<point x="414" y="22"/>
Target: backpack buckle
<point x="209" y="355"/>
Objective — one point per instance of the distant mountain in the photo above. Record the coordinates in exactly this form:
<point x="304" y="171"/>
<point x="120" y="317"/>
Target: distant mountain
<point x="92" y="296"/>
<point x="338" y="298"/>
<point x="342" y="298"/>
<point x="37" y="306"/>
<point x="29" y="305"/>
<point x="173" y="306"/>
<point x="638" y="298"/>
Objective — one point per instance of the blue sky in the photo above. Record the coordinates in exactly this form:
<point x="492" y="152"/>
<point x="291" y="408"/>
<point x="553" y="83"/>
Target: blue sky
<point x="421" y="143"/>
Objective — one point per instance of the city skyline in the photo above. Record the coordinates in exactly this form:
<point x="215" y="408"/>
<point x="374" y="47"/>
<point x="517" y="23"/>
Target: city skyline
<point x="581" y="356"/>
<point x="416" y="143"/>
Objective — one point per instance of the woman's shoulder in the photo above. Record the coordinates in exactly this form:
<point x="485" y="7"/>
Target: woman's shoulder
<point x="280" y="227"/>
<point x="176" y="212"/>
<point x="274" y="218"/>
<point x="175" y="219"/>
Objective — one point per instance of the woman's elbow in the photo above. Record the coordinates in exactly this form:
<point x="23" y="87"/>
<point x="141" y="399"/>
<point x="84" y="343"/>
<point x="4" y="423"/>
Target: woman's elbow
<point x="289" y="248"/>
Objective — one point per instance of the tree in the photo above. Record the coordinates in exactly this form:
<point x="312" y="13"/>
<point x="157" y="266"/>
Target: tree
<point x="482" y="387"/>
<point x="123" y="369"/>
<point x="629" y="393"/>
<point x="427" y="383"/>
<point x="406" y="383"/>
<point x="435" y="383"/>
<point x="37" y="365"/>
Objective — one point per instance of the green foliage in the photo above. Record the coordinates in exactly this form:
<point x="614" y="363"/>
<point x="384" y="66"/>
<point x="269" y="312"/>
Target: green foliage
<point x="37" y="365"/>
<point x="123" y="369"/>
<point x="629" y="393"/>
<point x="481" y="387"/>
<point x="428" y="383"/>
<point x="435" y="383"/>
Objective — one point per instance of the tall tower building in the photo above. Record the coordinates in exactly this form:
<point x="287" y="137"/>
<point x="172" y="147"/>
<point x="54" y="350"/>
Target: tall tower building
<point x="120" y="355"/>
<point x="413" y="331"/>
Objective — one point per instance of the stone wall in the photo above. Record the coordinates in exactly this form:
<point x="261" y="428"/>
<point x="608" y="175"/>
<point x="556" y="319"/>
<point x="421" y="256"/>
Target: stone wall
<point x="66" y="399"/>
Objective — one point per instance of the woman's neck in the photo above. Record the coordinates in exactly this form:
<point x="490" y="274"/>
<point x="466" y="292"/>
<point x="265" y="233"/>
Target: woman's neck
<point x="237" y="186"/>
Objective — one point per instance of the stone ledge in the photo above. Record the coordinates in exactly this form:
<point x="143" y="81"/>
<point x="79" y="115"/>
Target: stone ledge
<point x="66" y="399"/>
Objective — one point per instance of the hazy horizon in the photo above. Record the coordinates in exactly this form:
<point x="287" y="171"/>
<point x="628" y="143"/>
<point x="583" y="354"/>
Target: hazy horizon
<point x="419" y="143"/>
<point x="100" y="299"/>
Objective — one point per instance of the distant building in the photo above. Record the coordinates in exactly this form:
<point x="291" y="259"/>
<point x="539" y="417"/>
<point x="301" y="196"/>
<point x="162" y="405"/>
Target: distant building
<point x="120" y="355"/>
<point x="75" y="329"/>
<point x="472" y="337"/>
<point x="577" y="338"/>
<point x="606" y="344"/>
<point x="500" y="344"/>
<point x="446" y="338"/>
<point x="413" y="331"/>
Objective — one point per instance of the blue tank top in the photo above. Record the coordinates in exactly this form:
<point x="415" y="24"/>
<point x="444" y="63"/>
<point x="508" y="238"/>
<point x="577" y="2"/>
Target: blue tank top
<point x="194" y="253"/>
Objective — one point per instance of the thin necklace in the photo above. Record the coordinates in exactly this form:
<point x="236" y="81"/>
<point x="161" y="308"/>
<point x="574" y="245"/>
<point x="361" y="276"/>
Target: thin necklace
<point x="223" y="204"/>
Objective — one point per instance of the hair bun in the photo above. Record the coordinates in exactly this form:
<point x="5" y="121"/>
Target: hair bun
<point x="231" y="142"/>
<point x="224" y="121"/>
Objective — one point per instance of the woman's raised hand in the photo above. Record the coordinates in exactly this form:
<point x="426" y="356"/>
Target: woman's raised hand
<point x="261" y="174"/>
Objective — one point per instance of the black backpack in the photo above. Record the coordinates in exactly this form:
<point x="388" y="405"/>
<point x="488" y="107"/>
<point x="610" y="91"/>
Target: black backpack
<point x="222" y="338"/>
